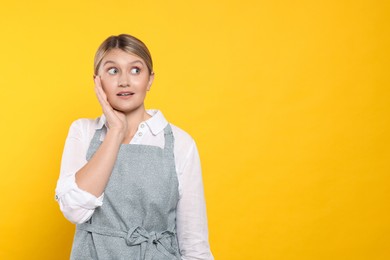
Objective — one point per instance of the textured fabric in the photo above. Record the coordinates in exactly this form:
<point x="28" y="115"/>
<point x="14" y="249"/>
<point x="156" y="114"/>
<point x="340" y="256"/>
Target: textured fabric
<point x="78" y="205"/>
<point x="138" y="217"/>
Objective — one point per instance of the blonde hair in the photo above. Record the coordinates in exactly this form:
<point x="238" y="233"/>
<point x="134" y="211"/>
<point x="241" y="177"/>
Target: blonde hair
<point x="126" y="43"/>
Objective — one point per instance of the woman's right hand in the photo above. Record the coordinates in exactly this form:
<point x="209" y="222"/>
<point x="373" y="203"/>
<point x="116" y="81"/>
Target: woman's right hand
<point x="116" y="120"/>
<point x="95" y="174"/>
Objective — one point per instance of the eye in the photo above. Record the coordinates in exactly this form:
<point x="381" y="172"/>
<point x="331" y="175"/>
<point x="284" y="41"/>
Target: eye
<point x="112" y="71"/>
<point x="135" y="70"/>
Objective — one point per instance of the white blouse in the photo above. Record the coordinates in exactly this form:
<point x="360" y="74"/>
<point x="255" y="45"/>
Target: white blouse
<point x="78" y="205"/>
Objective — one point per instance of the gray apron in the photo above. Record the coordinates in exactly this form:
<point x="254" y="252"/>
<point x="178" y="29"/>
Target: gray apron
<point x="138" y="217"/>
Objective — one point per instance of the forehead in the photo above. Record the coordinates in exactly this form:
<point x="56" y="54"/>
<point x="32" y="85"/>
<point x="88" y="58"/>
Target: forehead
<point x="121" y="57"/>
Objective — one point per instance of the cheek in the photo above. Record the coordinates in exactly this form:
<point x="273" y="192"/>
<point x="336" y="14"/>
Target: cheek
<point x="107" y="83"/>
<point x="141" y="83"/>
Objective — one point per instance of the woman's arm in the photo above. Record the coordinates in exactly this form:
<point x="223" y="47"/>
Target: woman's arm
<point x="191" y="219"/>
<point x="80" y="181"/>
<point x="76" y="204"/>
<point x="94" y="176"/>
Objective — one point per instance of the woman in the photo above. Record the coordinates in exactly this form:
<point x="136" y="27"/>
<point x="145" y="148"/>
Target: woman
<point x="130" y="180"/>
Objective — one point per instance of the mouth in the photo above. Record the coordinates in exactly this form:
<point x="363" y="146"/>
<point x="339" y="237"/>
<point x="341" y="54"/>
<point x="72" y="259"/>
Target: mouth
<point x="124" y="94"/>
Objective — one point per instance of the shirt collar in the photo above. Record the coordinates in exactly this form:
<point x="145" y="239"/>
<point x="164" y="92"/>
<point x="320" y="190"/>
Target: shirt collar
<point x="156" y="123"/>
<point x="101" y="122"/>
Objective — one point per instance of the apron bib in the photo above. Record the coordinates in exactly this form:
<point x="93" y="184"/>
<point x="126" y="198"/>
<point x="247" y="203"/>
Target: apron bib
<point x="138" y="217"/>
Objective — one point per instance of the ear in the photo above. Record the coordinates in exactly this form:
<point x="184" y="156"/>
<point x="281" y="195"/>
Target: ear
<point x="151" y="78"/>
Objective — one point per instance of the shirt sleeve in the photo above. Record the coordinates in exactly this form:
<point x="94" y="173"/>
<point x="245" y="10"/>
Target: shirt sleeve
<point x="76" y="204"/>
<point x="192" y="230"/>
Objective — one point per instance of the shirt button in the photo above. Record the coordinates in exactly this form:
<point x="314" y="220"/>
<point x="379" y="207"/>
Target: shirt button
<point x="142" y="125"/>
<point x="56" y="197"/>
<point x="139" y="134"/>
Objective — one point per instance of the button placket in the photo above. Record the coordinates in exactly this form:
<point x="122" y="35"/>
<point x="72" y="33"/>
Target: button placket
<point x="138" y="135"/>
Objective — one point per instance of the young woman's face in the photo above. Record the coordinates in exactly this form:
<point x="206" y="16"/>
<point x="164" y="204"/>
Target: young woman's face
<point x="125" y="79"/>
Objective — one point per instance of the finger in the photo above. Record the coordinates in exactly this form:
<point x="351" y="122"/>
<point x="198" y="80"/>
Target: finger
<point x="98" y="86"/>
<point x="101" y="95"/>
<point x="98" y="82"/>
<point x="107" y="109"/>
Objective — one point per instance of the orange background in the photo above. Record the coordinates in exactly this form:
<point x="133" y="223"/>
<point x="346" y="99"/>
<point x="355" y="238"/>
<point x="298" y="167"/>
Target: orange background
<point x="288" y="102"/>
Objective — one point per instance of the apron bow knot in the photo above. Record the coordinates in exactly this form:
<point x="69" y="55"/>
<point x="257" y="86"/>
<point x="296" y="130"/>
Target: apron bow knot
<point x="139" y="236"/>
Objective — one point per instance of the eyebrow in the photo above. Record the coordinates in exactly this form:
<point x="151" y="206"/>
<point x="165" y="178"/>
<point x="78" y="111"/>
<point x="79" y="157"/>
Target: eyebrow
<point x="110" y="61"/>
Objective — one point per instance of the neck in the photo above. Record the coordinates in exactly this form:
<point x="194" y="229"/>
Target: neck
<point x="134" y="118"/>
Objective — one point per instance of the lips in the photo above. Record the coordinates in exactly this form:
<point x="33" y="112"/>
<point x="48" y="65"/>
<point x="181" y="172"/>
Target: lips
<point x="125" y="93"/>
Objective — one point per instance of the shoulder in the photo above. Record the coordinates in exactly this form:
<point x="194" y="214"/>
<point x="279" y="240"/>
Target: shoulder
<point x="183" y="140"/>
<point x="180" y="134"/>
<point x="84" y="126"/>
<point x="187" y="157"/>
<point x="87" y="122"/>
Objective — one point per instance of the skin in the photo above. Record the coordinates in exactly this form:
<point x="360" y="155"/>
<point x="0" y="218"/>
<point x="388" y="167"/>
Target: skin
<point x="120" y="72"/>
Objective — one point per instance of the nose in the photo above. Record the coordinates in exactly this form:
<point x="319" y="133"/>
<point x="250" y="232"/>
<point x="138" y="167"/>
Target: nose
<point x="124" y="81"/>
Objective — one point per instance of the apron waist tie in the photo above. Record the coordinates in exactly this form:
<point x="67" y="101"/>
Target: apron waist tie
<point x="150" y="242"/>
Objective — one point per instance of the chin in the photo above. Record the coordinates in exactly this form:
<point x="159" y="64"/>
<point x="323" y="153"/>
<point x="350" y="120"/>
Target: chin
<point x="127" y="110"/>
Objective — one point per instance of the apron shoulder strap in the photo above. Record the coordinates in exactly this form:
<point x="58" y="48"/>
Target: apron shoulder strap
<point x="169" y="139"/>
<point x="94" y="144"/>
